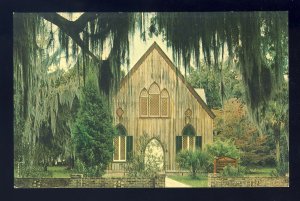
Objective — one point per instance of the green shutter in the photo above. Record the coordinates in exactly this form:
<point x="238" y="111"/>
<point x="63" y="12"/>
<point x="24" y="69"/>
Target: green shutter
<point x="129" y="146"/>
<point x="178" y="143"/>
<point x="199" y="142"/>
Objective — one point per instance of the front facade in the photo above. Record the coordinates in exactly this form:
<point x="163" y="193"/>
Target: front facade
<point x="154" y="99"/>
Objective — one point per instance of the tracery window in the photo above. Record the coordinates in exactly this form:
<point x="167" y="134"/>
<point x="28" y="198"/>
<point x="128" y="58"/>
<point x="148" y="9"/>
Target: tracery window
<point x="164" y="103"/>
<point x="144" y="103"/>
<point x="154" y="102"/>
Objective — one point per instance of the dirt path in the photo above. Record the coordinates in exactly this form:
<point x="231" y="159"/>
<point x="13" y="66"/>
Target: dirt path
<point x="170" y="183"/>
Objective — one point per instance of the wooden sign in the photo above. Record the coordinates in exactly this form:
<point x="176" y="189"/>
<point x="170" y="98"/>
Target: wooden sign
<point x="221" y="162"/>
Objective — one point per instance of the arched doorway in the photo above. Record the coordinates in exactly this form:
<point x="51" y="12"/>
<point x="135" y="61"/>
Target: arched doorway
<point x="154" y="155"/>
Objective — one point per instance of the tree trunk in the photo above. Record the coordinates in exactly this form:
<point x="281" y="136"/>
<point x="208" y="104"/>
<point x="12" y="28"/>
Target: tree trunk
<point x="277" y="141"/>
<point x="45" y="166"/>
<point x="277" y="151"/>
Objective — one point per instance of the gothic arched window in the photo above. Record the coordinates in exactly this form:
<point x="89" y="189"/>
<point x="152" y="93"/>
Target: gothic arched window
<point x="164" y="95"/>
<point x="188" y="137"/>
<point x="144" y="103"/>
<point x="154" y="100"/>
<point x="120" y="144"/>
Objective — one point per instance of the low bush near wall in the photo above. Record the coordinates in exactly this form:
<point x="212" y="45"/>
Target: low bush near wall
<point x="246" y="181"/>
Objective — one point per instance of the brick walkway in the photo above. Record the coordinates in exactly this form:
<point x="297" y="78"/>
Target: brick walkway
<point x="170" y="183"/>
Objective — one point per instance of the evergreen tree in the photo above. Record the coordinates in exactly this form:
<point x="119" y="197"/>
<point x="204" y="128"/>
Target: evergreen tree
<point x="93" y="131"/>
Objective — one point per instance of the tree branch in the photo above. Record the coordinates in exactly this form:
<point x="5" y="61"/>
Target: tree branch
<point x="73" y="29"/>
<point x="82" y="21"/>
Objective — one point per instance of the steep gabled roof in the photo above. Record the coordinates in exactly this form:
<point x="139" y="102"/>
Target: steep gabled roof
<point x="175" y="69"/>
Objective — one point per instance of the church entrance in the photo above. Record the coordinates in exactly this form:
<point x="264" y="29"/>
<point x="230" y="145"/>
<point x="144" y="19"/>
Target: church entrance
<point x="154" y="155"/>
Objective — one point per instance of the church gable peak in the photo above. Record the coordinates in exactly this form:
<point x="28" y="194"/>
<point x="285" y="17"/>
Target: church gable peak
<point x="174" y="68"/>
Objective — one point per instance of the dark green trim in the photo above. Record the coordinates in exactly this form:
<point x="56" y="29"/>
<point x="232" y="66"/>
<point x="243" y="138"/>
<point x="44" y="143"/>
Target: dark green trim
<point x="199" y="142"/>
<point x="188" y="130"/>
<point x="178" y="144"/>
<point x="121" y="129"/>
<point x="129" y="146"/>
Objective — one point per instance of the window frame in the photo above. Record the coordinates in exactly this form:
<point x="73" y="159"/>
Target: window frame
<point x="140" y="102"/>
<point x="167" y="97"/>
<point x="147" y="95"/>
<point x="121" y="133"/>
<point x="188" y="142"/>
<point x="119" y="149"/>
<point x="158" y="102"/>
<point x="191" y="134"/>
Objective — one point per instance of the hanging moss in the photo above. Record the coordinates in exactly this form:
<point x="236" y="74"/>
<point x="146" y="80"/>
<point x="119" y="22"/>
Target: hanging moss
<point x="242" y="33"/>
<point x="248" y="37"/>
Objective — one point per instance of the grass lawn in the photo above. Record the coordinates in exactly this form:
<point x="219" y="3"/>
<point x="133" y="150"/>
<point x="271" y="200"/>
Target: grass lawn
<point x="60" y="172"/>
<point x="53" y="172"/>
<point x="261" y="171"/>
<point x="201" y="181"/>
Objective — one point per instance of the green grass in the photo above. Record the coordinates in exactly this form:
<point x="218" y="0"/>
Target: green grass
<point x="201" y="181"/>
<point x="261" y="171"/>
<point x="60" y="172"/>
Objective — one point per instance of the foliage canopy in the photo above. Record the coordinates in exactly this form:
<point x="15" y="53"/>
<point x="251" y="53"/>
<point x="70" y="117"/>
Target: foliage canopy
<point x="223" y="149"/>
<point x="256" y="41"/>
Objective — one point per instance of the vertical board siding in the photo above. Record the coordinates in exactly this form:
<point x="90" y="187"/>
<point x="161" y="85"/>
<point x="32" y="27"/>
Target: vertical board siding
<point x="156" y="69"/>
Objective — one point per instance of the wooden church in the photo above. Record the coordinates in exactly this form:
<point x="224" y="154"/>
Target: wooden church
<point x="155" y="99"/>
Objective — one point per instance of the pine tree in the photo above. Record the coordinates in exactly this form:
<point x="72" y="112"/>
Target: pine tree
<point x="93" y="131"/>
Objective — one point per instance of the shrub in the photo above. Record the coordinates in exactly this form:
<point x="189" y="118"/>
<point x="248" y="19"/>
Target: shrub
<point x="281" y="170"/>
<point x="93" y="131"/>
<point x="137" y="166"/>
<point x="88" y="171"/>
<point x="230" y="171"/>
<point x="34" y="172"/>
<point x="249" y="159"/>
<point x="223" y="148"/>
<point x="193" y="161"/>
